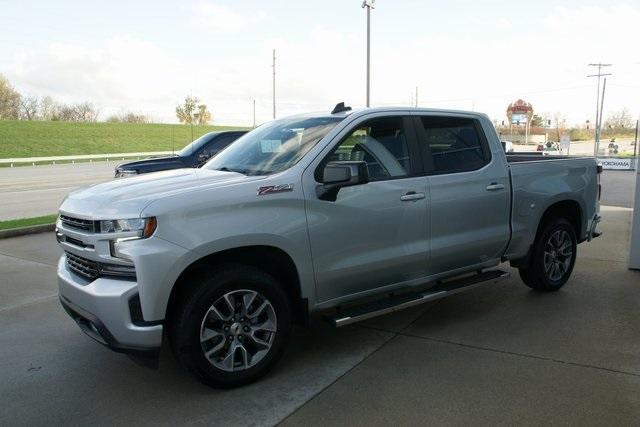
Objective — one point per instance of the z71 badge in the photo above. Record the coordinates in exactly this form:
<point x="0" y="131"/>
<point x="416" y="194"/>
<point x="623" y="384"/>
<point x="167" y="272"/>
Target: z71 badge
<point x="271" y="189"/>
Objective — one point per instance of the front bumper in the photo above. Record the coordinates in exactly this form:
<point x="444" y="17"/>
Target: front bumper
<point x="103" y="310"/>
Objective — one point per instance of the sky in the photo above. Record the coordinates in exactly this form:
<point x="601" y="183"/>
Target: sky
<point x="146" y="56"/>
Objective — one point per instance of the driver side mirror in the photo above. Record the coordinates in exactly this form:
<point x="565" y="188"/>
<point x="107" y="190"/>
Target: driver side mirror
<point x="341" y="174"/>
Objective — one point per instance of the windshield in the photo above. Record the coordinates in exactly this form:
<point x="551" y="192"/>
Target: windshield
<point x="273" y="147"/>
<point x="195" y="145"/>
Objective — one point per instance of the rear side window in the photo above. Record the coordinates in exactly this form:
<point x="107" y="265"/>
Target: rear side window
<point x="454" y="144"/>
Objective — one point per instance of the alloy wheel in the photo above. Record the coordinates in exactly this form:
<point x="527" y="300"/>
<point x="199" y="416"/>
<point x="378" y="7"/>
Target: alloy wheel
<point x="238" y="330"/>
<point x="558" y="254"/>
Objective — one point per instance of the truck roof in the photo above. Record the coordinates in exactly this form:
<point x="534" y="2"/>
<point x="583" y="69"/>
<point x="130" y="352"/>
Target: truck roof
<point x="361" y="111"/>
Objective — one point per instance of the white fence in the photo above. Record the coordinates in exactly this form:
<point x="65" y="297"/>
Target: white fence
<point x="80" y="158"/>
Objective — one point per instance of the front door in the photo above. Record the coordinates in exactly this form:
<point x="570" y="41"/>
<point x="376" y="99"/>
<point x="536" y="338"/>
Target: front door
<point x="373" y="235"/>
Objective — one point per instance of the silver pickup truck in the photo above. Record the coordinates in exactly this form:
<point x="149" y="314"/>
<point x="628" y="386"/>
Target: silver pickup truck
<point x="351" y="214"/>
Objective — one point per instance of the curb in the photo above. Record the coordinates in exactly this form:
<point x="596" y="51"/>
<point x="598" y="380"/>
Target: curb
<point x="23" y="231"/>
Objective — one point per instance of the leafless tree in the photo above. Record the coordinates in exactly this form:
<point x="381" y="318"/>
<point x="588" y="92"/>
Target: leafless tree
<point x="29" y="108"/>
<point x="49" y="109"/>
<point x="619" y="119"/>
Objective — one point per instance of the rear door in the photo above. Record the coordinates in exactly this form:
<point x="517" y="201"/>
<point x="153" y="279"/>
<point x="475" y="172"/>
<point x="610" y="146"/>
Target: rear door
<point x="469" y="192"/>
<point x="373" y="235"/>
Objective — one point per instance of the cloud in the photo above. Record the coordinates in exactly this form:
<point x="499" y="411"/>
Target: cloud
<point x="218" y="18"/>
<point x="544" y="62"/>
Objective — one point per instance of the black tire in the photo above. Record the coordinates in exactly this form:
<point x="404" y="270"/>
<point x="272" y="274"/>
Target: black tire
<point x="541" y="274"/>
<point x="187" y="324"/>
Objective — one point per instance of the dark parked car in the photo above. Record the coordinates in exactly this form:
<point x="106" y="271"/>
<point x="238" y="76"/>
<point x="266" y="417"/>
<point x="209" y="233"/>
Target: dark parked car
<point x="193" y="155"/>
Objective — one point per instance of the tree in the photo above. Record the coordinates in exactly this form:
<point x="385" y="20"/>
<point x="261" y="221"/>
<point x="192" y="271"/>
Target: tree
<point x="49" y="109"/>
<point x="85" y="112"/>
<point x="537" y="121"/>
<point x="203" y="116"/>
<point x="29" y="108"/>
<point x="185" y="112"/>
<point x="560" y="124"/>
<point x="9" y="100"/>
<point x="82" y="112"/>
<point x="619" y="120"/>
<point x="128" y="117"/>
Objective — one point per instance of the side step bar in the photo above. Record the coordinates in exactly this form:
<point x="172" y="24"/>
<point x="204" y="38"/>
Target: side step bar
<point x="398" y="302"/>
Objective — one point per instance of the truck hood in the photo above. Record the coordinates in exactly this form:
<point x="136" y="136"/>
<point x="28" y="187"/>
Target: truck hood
<point x="126" y="198"/>
<point x="154" y="164"/>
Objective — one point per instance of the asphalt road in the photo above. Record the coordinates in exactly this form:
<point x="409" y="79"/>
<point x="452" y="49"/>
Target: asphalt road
<point x="29" y="191"/>
<point x="501" y="355"/>
<point x="38" y="190"/>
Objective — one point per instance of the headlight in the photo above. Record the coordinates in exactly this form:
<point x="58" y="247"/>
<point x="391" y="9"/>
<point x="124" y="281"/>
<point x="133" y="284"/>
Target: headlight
<point x="123" y="173"/>
<point x="143" y="226"/>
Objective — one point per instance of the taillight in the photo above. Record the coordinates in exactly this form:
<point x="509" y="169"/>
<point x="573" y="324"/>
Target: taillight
<point x="599" y="168"/>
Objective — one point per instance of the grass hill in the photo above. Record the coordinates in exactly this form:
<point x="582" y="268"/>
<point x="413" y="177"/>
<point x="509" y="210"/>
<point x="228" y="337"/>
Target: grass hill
<point x="39" y="138"/>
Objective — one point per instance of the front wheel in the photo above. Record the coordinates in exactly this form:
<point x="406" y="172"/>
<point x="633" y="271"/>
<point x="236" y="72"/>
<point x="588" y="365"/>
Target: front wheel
<point x="553" y="257"/>
<point x="233" y="327"/>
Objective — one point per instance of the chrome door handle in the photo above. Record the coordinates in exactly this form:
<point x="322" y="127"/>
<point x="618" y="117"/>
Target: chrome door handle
<point x="411" y="195"/>
<point x="495" y="187"/>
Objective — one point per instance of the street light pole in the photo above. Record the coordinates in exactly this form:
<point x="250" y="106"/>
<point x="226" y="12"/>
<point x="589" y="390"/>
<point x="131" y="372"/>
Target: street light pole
<point x="368" y="4"/>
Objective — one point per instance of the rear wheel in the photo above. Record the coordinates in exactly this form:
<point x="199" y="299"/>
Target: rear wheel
<point x="233" y="327"/>
<point x="553" y="257"/>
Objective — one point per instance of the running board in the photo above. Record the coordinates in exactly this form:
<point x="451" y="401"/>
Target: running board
<point x="398" y="302"/>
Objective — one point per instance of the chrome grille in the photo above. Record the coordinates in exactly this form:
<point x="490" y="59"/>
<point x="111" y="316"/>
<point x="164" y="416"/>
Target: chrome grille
<point x="78" y="223"/>
<point x="82" y="266"/>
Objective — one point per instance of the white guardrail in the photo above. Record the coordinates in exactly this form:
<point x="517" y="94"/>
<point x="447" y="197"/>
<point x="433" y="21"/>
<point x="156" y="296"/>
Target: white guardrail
<point x="85" y="157"/>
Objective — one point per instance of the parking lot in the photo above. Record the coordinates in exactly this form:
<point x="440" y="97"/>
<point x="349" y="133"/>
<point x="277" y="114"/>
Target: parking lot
<point x="498" y="355"/>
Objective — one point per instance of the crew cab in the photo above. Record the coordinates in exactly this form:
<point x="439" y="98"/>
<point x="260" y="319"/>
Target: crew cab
<point x="350" y="214"/>
<point x="193" y="155"/>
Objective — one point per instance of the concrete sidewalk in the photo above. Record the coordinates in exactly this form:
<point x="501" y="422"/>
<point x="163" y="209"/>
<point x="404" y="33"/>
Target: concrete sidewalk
<point x="499" y="355"/>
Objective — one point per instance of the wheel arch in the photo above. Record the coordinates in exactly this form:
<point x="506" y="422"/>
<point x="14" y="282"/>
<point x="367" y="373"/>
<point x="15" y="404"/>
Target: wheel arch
<point x="271" y="259"/>
<point x="568" y="209"/>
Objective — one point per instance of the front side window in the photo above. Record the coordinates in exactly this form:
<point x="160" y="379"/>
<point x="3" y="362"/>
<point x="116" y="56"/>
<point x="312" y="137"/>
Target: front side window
<point x="381" y="143"/>
<point x="273" y="147"/>
<point x="454" y="143"/>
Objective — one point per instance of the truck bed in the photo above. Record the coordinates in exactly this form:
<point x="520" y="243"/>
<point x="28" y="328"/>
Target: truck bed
<point x="536" y="157"/>
<point x="539" y="181"/>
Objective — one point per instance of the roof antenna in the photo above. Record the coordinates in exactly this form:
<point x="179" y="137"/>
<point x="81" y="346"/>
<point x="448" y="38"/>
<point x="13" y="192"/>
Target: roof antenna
<point x="340" y="107"/>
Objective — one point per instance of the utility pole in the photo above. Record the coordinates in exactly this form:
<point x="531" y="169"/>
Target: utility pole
<point x="254" y="113"/>
<point x="604" y="87"/>
<point x="596" y="142"/>
<point x="635" y="145"/>
<point x="274" y="83"/>
<point x="368" y="4"/>
<point x="416" y="96"/>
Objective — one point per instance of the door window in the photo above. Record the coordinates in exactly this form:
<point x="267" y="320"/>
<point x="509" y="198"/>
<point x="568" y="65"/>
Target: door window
<point x="381" y="143"/>
<point x="453" y="144"/>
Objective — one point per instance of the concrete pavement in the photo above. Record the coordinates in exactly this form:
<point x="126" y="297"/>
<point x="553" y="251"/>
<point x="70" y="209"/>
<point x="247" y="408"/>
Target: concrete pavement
<point x="499" y="355"/>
